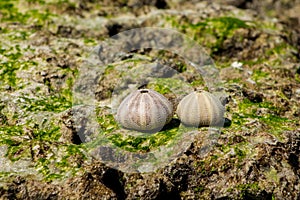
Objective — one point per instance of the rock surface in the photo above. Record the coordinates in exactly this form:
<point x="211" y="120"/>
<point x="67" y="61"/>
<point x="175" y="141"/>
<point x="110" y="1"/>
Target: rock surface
<point x="255" y="46"/>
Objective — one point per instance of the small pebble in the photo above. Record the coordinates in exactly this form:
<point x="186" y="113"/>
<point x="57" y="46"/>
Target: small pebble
<point x="237" y="65"/>
<point x="249" y="80"/>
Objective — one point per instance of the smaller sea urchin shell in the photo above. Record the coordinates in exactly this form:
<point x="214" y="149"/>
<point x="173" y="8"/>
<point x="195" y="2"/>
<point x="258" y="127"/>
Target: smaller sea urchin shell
<point x="144" y="110"/>
<point x="201" y="108"/>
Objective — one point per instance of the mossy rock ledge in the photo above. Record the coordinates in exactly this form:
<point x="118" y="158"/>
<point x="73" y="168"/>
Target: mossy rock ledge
<point x="254" y="45"/>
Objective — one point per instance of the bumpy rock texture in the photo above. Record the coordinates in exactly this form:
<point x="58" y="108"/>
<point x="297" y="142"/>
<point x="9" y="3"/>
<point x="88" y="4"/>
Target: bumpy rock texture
<point x="255" y="45"/>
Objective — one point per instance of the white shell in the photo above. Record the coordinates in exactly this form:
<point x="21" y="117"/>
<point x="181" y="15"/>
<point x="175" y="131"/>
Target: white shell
<point x="201" y="108"/>
<point x="144" y="110"/>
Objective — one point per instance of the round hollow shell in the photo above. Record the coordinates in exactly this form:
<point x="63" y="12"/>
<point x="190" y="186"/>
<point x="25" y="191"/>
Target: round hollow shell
<point x="201" y="108"/>
<point x="144" y="110"/>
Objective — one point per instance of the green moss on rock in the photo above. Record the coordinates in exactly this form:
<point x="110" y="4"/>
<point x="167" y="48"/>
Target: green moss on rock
<point x="211" y="32"/>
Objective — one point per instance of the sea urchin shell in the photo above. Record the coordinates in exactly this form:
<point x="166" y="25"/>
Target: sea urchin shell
<point x="144" y="110"/>
<point x="201" y="108"/>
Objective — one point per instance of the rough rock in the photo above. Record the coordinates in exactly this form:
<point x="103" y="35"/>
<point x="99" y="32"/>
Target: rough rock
<point x="44" y="129"/>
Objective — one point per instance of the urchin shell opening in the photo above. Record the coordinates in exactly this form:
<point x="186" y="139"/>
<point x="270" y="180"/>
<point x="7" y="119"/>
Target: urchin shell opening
<point x="144" y="90"/>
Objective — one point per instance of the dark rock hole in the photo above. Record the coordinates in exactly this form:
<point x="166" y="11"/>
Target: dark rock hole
<point x="111" y="179"/>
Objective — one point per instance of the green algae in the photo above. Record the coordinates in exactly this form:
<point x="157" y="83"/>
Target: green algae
<point x="205" y="166"/>
<point x="245" y="189"/>
<point x="272" y="174"/>
<point x="90" y="42"/>
<point x="239" y="153"/>
<point x="212" y="32"/>
<point x="11" y="13"/>
<point x="53" y="103"/>
<point x="39" y="140"/>
<point x="39" y="143"/>
<point x="297" y="78"/>
<point x="274" y="123"/>
<point x="9" y="67"/>
<point x="106" y="120"/>
<point x="167" y="86"/>
<point x="146" y="143"/>
<point x="259" y="75"/>
<point x="111" y="130"/>
<point x="248" y="188"/>
<point x="20" y="139"/>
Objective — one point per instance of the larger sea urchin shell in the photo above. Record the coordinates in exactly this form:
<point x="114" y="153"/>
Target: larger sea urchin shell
<point x="144" y="110"/>
<point x="201" y="108"/>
